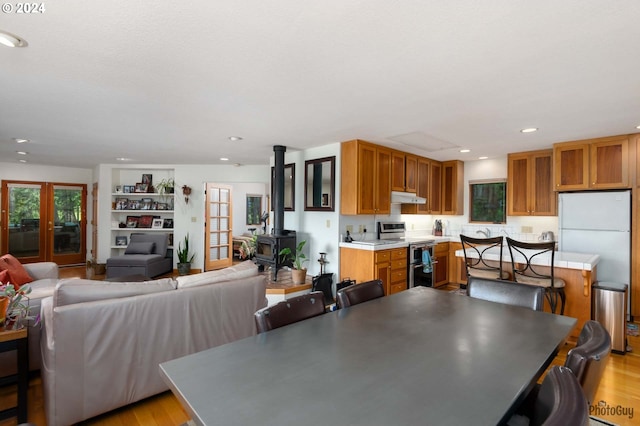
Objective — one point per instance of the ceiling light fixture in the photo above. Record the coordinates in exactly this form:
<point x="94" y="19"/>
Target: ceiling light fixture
<point x="529" y="130"/>
<point x="235" y="138"/>
<point x="224" y="159"/>
<point x="637" y="127"/>
<point x="18" y="140"/>
<point x="465" y="150"/>
<point x="482" y="158"/>
<point x="23" y="161"/>
<point x="22" y="152"/>
<point x="11" y="40"/>
<point x="123" y="159"/>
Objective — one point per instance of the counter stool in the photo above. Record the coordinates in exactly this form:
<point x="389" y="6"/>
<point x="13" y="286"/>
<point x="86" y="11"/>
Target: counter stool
<point x="474" y="251"/>
<point x="523" y="256"/>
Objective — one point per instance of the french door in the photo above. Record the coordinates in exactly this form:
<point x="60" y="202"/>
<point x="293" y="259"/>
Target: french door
<point x="44" y="221"/>
<point x="218" y="229"/>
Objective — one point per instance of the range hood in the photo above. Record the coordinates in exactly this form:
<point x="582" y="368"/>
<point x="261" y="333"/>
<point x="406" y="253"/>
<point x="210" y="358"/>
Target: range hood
<point x="398" y="197"/>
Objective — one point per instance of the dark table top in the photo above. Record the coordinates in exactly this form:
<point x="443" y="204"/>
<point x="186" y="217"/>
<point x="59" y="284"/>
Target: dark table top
<point x="419" y="357"/>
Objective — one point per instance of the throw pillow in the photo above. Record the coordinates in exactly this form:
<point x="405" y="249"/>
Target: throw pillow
<point x="17" y="274"/>
<point x="4" y="277"/>
<point x="140" y="247"/>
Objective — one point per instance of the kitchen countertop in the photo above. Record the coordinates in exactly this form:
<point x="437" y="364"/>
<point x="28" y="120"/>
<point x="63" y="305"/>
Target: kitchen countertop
<point x="385" y="246"/>
<point x="562" y="259"/>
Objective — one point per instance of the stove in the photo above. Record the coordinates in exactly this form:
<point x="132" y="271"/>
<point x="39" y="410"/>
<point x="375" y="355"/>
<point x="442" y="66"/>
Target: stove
<point x="394" y="232"/>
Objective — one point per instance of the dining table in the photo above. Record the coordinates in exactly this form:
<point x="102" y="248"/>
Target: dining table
<point x="419" y="357"/>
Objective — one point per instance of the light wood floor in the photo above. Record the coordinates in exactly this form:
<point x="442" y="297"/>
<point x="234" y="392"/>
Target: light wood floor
<point x="620" y="387"/>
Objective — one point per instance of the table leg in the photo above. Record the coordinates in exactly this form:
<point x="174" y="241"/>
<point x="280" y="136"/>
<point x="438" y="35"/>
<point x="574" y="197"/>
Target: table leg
<point x="23" y="379"/>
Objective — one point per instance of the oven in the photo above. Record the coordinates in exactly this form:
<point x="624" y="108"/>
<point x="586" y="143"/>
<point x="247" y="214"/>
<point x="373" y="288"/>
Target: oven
<point x="421" y="273"/>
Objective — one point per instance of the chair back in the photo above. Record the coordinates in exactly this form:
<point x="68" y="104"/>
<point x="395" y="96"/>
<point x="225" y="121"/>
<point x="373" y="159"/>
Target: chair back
<point x="289" y="311"/>
<point x="474" y="256"/>
<point x="522" y="254"/>
<point x="506" y="292"/>
<point x="589" y="358"/>
<point x="560" y="401"/>
<point x="359" y="293"/>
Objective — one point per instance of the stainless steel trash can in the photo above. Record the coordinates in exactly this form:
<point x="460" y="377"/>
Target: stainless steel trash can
<point x="609" y="308"/>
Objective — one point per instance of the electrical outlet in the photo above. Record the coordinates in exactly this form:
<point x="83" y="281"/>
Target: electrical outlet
<point x="350" y="229"/>
<point x="328" y="223"/>
<point x="526" y="229"/>
<point x="360" y="229"/>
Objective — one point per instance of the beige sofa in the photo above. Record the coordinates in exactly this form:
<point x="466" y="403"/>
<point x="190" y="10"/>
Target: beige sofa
<point x="45" y="276"/>
<point x="102" y="342"/>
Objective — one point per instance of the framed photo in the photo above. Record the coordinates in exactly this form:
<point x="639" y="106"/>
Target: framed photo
<point x="121" y="240"/>
<point x="141" y="187"/>
<point x="146" y="204"/>
<point x="132" y="221"/>
<point x="161" y="206"/>
<point x="147" y="179"/>
<point x="156" y="224"/>
<point x="128" y="189"/>
<point x="122" y="203"/>
<point x="133" y="205"/>
<point x="118" y="188"/>
<point x="167" y="223"/>
<point x="145" y="221"/>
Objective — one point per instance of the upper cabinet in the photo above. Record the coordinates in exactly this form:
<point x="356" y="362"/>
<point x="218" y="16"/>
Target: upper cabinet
<point x="365" y="178"/>
<point x="397" y="171"/>
<point x="429" y="186"/>
<point x="592" y="164"/>
<point x="453" y="187"/>
<point x="410" y="173"/>
<point x="529" y="184"/>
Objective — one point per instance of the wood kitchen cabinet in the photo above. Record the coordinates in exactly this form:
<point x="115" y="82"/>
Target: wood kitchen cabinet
<point x="530" y="185"/>
<point x="397" y="171"/>
<point x="411" y="173"/>
<point x="365" y="186"/>
<point x="457" y="271"/>
<point x="390" y="266"/>
<point x="429" y="186"/>
<point x="452" y="187"/>
<point x="592" y="164"/>
<point x="441" y="256"/>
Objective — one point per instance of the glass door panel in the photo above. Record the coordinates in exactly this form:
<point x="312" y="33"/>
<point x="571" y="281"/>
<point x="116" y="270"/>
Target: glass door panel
<point x="66" y="223"/>
<point x="219" y="227"/>
<point x="25" y="208"/>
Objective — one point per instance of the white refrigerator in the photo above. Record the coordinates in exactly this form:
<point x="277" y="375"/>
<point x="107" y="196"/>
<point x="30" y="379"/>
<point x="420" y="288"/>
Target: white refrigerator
<point x="600" y="223"/>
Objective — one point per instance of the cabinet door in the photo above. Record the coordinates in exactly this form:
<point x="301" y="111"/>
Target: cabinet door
<point x="434" y="199"/>
<point x="411" y="173"/>
<point x="610" y="163"/>
<point x="441" y="271"/>
<point x="571" y="166"/>
<point x="367" y="160"/>
<point x="452" y="187"/>
<point x="529" y="185"/>
<point x="397" y="171"/>
<point x="383" y="273"/>
<point x="518" y="185"/>
<point x="542" y="198"/>
<point x="383" y="181"/>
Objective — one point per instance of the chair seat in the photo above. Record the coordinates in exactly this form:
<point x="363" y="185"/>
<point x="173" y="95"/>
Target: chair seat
<point x="541" y="282"/>
<point x="488" y="273"/>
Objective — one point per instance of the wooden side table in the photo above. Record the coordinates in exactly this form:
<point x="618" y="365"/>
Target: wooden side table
<point x="9" y="341"/>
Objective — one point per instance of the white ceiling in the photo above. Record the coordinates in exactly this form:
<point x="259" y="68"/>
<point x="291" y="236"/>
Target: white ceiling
<point x="168" y="82"/>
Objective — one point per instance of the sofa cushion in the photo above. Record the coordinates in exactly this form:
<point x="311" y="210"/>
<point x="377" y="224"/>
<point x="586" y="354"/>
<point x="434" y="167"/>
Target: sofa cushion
<point x="72" y="291"/>
<point x="17" y="274"/>
<point x="241" y="270"/>
<point x="140" y="247"/>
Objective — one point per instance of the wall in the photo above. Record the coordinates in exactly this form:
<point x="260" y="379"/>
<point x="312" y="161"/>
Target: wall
<point x="40" y="173"/>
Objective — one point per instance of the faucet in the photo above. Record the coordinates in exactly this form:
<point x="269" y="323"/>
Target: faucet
<point x="486" y="232"/>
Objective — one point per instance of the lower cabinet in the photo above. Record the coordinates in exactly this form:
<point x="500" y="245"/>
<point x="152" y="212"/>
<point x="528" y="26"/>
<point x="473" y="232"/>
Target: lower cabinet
<point x="390" y="266"/>
<point x="441" y="256"/>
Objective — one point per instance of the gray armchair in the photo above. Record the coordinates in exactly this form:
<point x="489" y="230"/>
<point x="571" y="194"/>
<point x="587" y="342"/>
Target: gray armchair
<point x="145" y="255"/>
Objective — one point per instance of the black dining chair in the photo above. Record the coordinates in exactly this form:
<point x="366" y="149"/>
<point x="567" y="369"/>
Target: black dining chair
<point x="359" y="293"/>
<point x="589" y="358"/>
<point x="506" y="292"/>
<point x="560" y="401"/>
<point x="523" y="256"/>
<point x="474" y="257"/>
<point x="289" y="311"/>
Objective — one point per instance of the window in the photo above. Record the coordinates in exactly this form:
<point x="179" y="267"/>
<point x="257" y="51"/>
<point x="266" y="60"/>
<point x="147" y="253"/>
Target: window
<point x="488" y="201"/>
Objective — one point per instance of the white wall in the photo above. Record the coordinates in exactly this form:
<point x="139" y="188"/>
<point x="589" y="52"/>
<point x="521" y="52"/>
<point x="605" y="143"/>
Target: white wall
<point x="239" y="199"/>
<point x="39" y="173"/>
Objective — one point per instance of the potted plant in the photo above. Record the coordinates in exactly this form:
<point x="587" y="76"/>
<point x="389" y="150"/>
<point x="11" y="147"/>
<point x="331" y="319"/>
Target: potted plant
<point x="14" y="306"/>
<point x="166" y="186"/>
<point x="184" y="259"/>
<point x="297" y="257"/>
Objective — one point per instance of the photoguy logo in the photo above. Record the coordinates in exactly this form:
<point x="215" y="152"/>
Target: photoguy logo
<point x="604" y="409"/>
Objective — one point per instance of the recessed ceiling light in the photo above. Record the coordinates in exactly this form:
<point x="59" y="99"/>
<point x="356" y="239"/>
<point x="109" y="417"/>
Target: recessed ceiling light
<point x="637" y="127"/>
<point x="529" y="130"/>
<point x="465" y="150"/>
<point x="23" y="161"/>
<point x="235" y="138"/>
<point x="22" y="152"/>
<point x="482" y="158"/>
<point x="11" y="40"/>
<point x="18" y="140"/>
<point x="224" y="159"/>
<point x="123" y="159"/>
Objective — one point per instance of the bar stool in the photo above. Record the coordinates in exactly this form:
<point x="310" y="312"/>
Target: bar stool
<point x="474" y="257"/>
<point x="524" y="271"/>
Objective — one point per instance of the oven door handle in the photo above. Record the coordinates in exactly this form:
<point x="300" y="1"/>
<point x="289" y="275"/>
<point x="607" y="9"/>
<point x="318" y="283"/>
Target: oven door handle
<point x="421" y="265"/>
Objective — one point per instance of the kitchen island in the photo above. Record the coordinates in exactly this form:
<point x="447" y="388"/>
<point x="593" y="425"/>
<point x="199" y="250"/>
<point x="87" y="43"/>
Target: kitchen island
<point x="578" y="270"/>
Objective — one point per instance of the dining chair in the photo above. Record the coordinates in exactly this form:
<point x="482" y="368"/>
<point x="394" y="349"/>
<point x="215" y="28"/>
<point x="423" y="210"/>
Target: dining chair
<point x="288" y="311"/>
<point x="560" y="401"/>
<point x="589" y="358"/>
<point x="523" y="257"/>
<point x="359" y="293"/>
<point x="506" y="292"/>
<point x="474" y="257"/>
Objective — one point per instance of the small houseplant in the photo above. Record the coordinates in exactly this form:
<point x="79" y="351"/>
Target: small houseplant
<point x="297" y="258"/>
<point x="14" y="306"/>
<point x="184" y="259"/>
<point x="166" y="186"/>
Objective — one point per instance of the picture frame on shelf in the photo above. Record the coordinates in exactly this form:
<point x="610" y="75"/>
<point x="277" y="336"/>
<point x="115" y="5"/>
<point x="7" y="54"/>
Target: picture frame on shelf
<point x="157" y="223"/>
<point x="141" y="187"/>
<point x="146" y="204"/>
<point x="133" y="205"/>
<point x="128" y="189"/>
<point x="147" y="178"/>
<point x="122" y="203"/>
<point x="132" y="221"/>
<point x="161" y="206"/>
<point x="167" y="223"/>
<point x="118" y="189"/>
<point x="145" y="221"/>
<point x="121" y="240"/>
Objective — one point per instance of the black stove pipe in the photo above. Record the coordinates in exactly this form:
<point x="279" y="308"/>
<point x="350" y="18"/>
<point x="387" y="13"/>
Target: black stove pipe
<point x="278" y="190"/>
